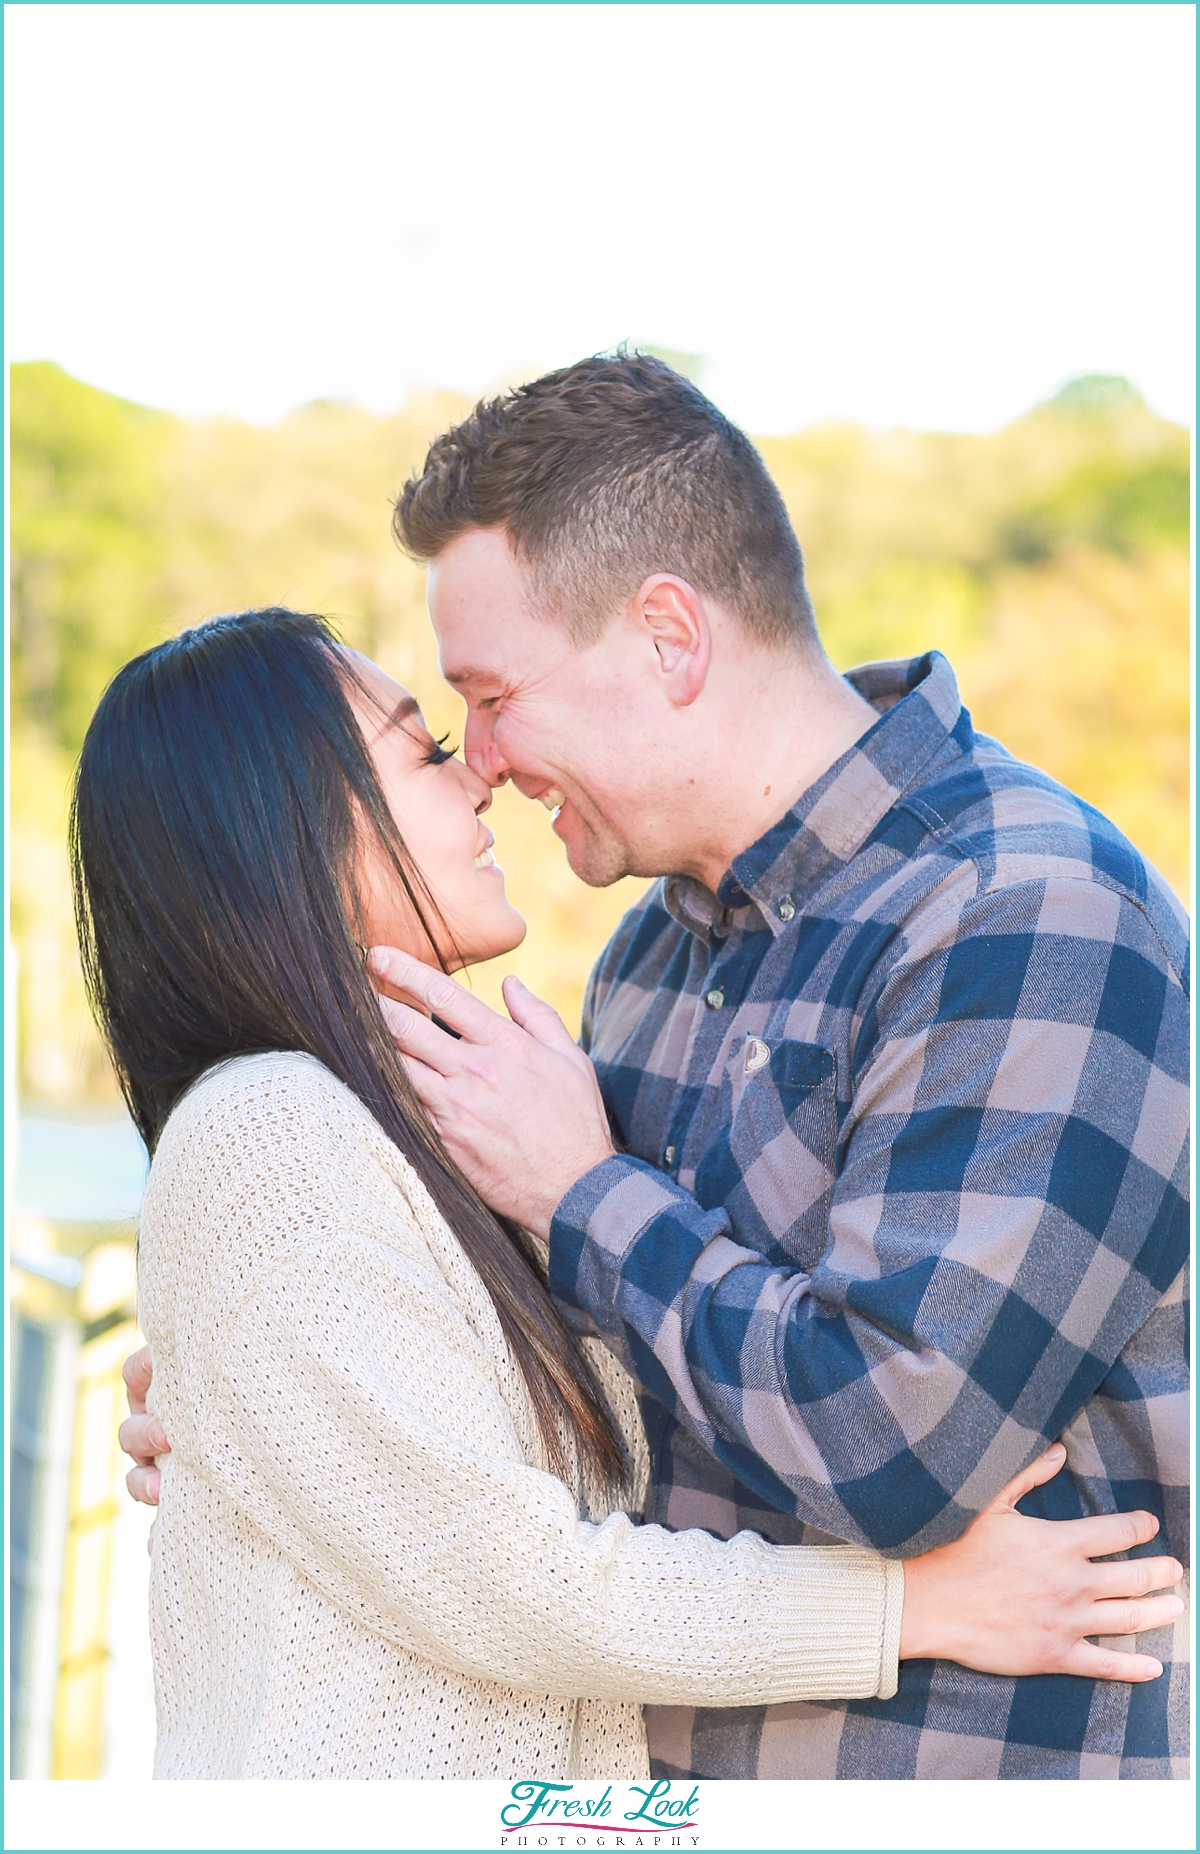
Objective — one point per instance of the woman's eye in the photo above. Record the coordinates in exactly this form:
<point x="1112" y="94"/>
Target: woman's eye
<point x="440" y="752"/>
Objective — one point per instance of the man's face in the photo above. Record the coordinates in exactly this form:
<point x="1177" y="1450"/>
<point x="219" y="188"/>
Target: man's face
<point x="567" y="725"/>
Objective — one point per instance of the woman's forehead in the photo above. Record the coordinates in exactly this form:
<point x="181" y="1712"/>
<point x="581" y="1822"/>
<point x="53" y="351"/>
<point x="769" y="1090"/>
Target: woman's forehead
<point x="390" y="696"/>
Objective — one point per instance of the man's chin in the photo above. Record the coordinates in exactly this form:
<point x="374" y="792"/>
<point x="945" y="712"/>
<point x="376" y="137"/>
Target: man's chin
<point x="596" y="863"/>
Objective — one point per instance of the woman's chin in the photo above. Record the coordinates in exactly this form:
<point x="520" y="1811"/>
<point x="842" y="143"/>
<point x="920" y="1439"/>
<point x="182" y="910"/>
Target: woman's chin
<point x="490" y="941"/>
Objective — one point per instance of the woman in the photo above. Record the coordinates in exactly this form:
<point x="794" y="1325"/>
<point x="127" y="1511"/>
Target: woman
<point x="391" y="1540"/>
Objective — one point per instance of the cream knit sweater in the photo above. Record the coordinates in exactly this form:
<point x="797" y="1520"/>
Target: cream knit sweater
<point x="362" y="1567"/>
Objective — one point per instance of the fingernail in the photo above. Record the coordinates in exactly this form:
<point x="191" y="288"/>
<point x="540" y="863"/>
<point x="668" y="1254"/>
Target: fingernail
<point x="154" y="1486"/>
<point x="1177" y="1606"/>
<point x="1156" y="1670"/>
<point x="158" y="1436"/>
<point x="1055" y="1448"/>
<point x="378" y="959"/>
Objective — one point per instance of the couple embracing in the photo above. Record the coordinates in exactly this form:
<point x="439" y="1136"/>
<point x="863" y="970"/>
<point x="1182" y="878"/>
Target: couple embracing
<point x="662" y="1402"/>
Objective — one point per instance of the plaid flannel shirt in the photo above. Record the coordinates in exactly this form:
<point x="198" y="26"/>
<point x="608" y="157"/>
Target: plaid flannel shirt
<point x="903" y="1196"/>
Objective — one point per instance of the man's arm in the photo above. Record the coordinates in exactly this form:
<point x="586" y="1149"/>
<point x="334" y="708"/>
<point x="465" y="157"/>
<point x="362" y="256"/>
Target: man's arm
<point x="1009" y="1208"/>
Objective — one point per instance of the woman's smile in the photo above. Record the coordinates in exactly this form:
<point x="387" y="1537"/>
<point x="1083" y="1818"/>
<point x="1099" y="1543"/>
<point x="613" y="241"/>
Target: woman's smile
<point x="437" y="803"/>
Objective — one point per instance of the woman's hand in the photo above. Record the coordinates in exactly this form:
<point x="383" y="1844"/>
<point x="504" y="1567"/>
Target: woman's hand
<point x="1020" y="1596"/>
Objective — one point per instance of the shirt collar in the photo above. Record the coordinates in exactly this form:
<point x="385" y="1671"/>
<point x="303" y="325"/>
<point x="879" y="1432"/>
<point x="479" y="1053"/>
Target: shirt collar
<point x="921" y="713"/>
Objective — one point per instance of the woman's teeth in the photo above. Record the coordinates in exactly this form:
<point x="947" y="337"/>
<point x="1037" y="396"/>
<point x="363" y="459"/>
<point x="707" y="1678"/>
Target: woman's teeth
<point x="554" y="800"/>
<point x="484" y="860"/>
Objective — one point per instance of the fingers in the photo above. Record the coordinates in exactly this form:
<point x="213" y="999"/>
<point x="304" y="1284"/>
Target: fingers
<point x="473" y="1019"/>
<point x="143" y="1437"/>
<point x="1133" y="1577"/>
<point x="1135" y="1616"/>
<point x="1044" y="1468"/>
<point x="137" y="1372"/>
<point x="1095" y="1663"/>
<point x="431" y="1090"/>
<point x="414" y="1035"/>
<point x="144" y="1484"/>
<point x="1106" y="1533"/>
<point x="533" y="1014"/>
<point x="428" y="1083"/>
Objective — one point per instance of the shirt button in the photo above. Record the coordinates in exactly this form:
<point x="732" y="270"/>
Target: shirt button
<point x="787" y="908"/>
<point x="669" y="1156"/>
<point x="714" y="999"/>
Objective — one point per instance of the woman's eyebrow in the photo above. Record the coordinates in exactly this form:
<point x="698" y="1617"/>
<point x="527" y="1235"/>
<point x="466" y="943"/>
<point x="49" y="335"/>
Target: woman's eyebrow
<point x="407" y="705"/>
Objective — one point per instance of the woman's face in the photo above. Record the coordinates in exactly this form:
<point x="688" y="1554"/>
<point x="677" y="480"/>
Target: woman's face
<point x="437" y="803"/>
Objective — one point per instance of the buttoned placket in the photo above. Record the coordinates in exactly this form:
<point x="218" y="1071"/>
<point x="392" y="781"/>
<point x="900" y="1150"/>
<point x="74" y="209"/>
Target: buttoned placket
<point x="806" y="861"/>
<point x="710" y="1026"/>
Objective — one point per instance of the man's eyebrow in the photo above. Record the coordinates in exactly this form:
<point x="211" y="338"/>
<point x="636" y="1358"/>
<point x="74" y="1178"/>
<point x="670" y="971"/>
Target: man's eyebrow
<point x="456" y="676"/>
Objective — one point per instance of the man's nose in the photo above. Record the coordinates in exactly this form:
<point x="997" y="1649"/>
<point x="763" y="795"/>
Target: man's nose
<point x="480" y="750"/>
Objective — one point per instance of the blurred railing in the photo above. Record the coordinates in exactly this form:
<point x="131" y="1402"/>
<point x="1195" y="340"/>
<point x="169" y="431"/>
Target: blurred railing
<point x="80" y="1682"/>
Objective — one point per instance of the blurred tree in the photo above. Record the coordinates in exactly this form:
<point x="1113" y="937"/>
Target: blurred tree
<point x="88" y="543"/>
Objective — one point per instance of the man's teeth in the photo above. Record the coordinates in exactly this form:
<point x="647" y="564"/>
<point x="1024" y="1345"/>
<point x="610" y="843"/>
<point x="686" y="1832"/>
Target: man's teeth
<point x="484" y="860"/>
<point x="554" y="800"/>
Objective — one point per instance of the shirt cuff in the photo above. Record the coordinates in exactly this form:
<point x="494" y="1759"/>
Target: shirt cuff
<point x="597" y="1223"/>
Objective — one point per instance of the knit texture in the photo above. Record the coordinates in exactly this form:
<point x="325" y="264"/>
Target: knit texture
<point x="362" y="1567"/>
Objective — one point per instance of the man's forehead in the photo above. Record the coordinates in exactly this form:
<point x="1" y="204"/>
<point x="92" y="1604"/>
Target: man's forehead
<point x="492" y="658"/>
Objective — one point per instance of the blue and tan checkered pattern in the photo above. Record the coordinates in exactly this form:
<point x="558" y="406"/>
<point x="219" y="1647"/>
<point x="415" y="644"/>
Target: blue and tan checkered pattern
<point x="903" y="1195"/>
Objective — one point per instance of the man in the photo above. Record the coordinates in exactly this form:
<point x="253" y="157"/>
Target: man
<point x="883" y="1184"/>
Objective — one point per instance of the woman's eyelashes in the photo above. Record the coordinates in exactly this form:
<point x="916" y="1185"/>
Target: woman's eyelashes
<point x="439" y="752"/>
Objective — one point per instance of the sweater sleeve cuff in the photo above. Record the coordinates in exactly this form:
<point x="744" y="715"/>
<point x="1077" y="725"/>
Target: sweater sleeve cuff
<point x="893" y="1615"/>
<point x="834" y="1622"/>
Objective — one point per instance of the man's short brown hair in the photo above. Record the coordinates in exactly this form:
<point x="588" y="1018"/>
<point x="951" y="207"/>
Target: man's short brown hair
<point x="604" y="473"/>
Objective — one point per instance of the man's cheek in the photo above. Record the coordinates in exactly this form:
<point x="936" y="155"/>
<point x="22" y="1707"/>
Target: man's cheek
<point x="525" y="753"/>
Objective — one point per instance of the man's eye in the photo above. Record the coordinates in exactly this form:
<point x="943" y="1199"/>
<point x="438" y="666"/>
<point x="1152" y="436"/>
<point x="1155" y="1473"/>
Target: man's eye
<point x="440" y="752"/>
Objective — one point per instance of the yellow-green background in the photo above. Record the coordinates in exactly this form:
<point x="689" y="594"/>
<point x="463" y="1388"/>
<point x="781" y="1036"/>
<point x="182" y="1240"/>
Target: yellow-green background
<point x="1048" y="560"/>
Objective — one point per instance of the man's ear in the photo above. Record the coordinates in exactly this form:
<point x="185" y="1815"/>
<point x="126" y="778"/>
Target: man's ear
<point x="672" y="615"/>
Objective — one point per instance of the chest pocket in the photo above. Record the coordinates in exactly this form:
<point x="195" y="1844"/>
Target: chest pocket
<point x="771" y="1166"/>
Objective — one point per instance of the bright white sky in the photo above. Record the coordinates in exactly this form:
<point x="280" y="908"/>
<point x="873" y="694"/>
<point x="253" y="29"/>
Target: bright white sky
<point x="903" y="214"/>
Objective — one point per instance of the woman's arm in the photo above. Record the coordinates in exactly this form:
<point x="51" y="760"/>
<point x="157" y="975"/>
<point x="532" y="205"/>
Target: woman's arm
<point x="1012" y="1596"/>
<point x="356" y="1418"/>
<point x="347" y="1401"/>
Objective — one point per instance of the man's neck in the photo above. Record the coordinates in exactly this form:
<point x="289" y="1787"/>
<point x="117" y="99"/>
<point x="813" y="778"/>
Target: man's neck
<point x="791" y="722"/>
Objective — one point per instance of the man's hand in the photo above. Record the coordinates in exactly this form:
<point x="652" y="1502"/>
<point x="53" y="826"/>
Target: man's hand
<point x="516" y="1105"/>
<point x="141" y="1436"/>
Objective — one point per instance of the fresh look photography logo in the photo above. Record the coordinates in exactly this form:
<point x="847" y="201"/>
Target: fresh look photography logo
<point x="611" y="1815"/>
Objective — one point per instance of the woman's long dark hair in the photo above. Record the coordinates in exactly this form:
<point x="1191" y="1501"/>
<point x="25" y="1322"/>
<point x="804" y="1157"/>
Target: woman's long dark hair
<point x="214" y="848"/>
